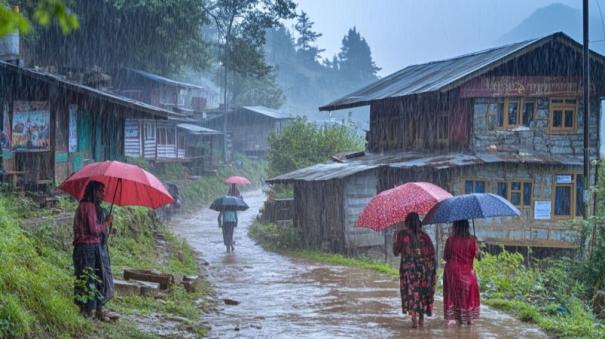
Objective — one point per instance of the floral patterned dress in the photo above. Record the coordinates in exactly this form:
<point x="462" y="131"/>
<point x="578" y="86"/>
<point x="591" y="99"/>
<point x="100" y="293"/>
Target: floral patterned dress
<point x="416" y="271"/>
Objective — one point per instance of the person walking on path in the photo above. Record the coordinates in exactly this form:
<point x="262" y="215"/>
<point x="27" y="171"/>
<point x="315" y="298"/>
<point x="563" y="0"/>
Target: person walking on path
<point x="92" y="266"/>
<point x="461" y="299"/>
<point x="416" y="270"/>
<point x="227" y="221"/>
<point x="234" y="191"/>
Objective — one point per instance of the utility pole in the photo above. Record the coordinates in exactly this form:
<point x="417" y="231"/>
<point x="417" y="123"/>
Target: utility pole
<point x="586" y="100"/>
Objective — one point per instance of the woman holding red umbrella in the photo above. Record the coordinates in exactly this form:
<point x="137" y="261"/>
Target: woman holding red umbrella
<point x="94" y="281"/>
<point x="461" y="299"/>
<point x="417" y="269"/>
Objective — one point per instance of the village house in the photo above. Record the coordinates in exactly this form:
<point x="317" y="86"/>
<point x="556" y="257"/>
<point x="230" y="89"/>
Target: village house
<point x="248" y="128"/>
<point x="52" y="126"/>
<point x="507" y="120"/>
<point x="178" y="139"/>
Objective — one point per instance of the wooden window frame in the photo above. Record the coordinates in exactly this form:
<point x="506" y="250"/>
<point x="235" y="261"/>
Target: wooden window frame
<point x="573" y="204"/>
<point x="475" y="179"/>
<point x="564" y="106"/>
<point x="509" y="192"/>
<point x="520" y="111"/>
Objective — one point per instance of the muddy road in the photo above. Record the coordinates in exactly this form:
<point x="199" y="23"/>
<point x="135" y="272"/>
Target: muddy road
<point x="285" y="297"/>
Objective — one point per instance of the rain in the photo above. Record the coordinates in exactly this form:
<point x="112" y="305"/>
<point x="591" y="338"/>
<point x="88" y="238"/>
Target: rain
<point x="302" y="168"/>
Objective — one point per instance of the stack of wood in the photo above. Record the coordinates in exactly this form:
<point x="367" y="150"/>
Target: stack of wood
<point x="151" y="283"/>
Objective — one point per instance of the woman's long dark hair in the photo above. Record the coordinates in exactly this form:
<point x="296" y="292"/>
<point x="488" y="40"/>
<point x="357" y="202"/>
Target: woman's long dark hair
<point x="461" y="228"/>
<point x="89" y="193"/>
<point x="412" y="221"/>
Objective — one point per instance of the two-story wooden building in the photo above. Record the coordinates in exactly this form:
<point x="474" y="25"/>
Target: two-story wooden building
<point x="52" y="126"/>
<point x="507" y="120"/>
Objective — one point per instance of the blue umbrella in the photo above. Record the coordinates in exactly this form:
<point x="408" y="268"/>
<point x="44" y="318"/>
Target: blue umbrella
<point x="229" y="202"/>
<point x="470" y="206"/>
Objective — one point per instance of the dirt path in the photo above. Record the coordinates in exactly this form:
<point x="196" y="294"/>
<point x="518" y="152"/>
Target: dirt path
<point x="285" y="297"/>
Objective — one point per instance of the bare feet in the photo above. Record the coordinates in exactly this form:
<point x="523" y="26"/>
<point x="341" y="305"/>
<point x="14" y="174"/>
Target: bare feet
<point x="421" y="320"/>
<point x="451" y="322"/>
<point x="414" y="322"/>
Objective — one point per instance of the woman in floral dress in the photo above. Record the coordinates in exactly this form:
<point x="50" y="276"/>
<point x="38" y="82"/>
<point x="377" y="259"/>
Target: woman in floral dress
<point x="417" y="269"/>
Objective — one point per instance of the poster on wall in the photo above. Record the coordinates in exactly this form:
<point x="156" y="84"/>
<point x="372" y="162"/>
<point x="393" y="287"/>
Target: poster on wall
<point x="542" y="209"/>
<point x="31" y="126"/>
<point x="5" y="133"/>
<point x="73" y="128"/>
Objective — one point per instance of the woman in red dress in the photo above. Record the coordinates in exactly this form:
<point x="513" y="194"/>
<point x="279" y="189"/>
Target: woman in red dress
<point x="417" y="269"/>
<point x="460" y="288"/>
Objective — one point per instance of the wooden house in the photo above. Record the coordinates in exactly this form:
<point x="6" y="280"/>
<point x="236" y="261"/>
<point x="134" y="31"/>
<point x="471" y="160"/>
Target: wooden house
<point x="507" y="120"/>
<point x="249" y="127"/>
<point x="51" y="126"/>
<point x="163" y="92"/>
<point x="173" y="140"/>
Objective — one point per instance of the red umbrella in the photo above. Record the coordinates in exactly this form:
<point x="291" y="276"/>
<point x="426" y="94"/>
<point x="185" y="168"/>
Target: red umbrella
<point x="125" y="184"/>
<point x="391" y="206"/>
<point x="237" y="180"/>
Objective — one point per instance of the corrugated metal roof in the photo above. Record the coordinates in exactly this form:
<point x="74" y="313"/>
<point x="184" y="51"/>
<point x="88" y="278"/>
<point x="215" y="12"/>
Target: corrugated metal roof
<point x="440" y="75"/>
<point x="199" y="130"/>
<point x="79" y="88"/>
<point x="271" y="113"/>
<point x="348" y="167"/>
<point x="164" y="80"/>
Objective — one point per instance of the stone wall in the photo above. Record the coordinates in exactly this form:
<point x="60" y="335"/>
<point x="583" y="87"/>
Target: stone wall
<point x="535" y="138"/>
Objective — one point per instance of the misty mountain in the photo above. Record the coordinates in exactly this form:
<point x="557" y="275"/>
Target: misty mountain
<point x="557" y="18"/>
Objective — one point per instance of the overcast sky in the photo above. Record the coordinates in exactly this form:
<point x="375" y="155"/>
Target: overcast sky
<point x="405" y="32"/>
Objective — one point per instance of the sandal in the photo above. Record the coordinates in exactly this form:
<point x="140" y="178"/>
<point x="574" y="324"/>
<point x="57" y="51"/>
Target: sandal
<point x="107" y="316"/>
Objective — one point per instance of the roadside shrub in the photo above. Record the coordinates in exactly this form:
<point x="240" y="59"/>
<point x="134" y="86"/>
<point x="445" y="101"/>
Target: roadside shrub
<point x="276" y="237"/>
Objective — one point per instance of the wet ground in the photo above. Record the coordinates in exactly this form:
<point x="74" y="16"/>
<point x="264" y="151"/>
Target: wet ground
<point x="283" y="297"/>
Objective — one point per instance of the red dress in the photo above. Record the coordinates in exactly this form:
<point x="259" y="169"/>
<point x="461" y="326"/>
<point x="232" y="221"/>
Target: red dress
<point x="460" y="288"/>
<point x="416" y="271"/>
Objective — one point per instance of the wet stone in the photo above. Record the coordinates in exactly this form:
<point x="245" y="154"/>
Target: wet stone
<point x="230" y="301"/>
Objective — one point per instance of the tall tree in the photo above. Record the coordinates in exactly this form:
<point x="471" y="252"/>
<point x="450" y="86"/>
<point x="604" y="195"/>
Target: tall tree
<point x="241" y="27"/>
<point x="355" y="58"/>
<point x="157" y="35"/>
<point x="306" y="38"/>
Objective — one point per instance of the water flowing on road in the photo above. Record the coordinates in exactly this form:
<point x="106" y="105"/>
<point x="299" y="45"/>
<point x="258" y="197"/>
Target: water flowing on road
<point x="283" y="297"/>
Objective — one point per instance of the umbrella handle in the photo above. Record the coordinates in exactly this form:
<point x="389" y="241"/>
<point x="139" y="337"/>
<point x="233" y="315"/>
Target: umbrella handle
<point x="115" y="192"/>
<point x="474" y="235"/>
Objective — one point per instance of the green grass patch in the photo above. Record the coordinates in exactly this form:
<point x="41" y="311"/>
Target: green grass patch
<point x="285" y="239"/>
<point x="36" y="275"/>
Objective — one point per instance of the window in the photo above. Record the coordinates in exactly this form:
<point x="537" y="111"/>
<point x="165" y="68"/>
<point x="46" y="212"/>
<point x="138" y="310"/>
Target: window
<point x="568" y="195"/>
<point x="166" y="136"/>
<point x="149" y="131"/>
<point x="562" y="114"/>
<point x="519" y="193"/>
<point x="474" y="186"/>
<point x="513" y="112"/>
<point x="442" y="127"/>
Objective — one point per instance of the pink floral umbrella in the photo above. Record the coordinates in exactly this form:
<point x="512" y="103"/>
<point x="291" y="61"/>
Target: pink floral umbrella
<point x="237" y="180"/>
<point x="391" y="206"/>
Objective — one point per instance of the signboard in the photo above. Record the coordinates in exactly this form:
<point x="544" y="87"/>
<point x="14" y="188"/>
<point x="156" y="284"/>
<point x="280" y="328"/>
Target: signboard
<point x="542" y="209"/>
<point x="73" y="128"/>
<point x="526" y="86"/>
<point x="563" y="179"/>
<point x="31" y="126"/>
<point x="131" y="129"/>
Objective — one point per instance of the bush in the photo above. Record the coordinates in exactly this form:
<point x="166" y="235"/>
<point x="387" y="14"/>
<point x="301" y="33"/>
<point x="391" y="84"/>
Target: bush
<point x="304" y="143"/>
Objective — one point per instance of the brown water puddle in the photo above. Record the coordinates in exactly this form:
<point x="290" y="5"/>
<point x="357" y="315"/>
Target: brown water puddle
<point x="283" y="297"/>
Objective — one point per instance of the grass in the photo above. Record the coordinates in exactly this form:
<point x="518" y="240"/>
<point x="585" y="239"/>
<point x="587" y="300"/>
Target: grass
<point x="285" y="240"/>
<point x="36" y="275"/>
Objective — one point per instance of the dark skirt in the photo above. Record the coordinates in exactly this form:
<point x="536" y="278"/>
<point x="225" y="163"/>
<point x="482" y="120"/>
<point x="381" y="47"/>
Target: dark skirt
<point x="94" y="280"/>
<point x="228" y="233"/>
<point x="417" y="285"/>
